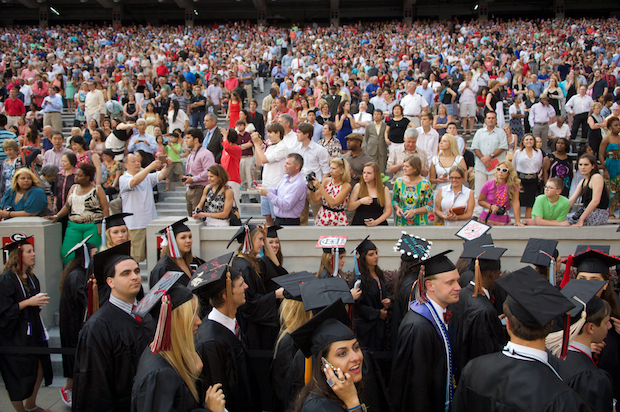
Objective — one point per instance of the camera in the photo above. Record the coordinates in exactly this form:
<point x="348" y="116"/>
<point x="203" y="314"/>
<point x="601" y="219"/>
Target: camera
<point x="309" y="178"/>
<point x="185" y="177"/>
<point x="501" y="211"/>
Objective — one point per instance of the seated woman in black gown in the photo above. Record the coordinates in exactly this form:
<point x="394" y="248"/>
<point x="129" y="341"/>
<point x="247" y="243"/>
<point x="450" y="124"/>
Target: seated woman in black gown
<point x="169" y="367"/>
<point x="370" y="199"/>
<point x="176" y="253"/>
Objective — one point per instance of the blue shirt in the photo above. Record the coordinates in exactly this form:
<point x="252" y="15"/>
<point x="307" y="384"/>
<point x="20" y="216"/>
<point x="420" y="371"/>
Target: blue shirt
<point x="289" y="197"/>
<point x="54" y="104"/>
<point x="371" y="89"/>
<point x="150" y="146"/>
<point x="5" y="134"/>
<point x="426" y="93"/>
<point x="33" y="201"/>
<point x="537" y="87"/>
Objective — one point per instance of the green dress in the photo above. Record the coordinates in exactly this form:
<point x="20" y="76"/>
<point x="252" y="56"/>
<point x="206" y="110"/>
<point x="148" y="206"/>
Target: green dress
<point x="413" y="197"/>
<point x="612" y="164"/>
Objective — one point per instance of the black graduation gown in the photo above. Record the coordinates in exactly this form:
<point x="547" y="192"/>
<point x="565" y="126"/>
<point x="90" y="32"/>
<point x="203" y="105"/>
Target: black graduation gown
<point x="419" y="369"/>
<point x="282" y="360"/>
<point x="270" y="271"/>
<point x="317" y="403"/>
<point x="476" y="327"/>
<point x="496" y="382"/>
<point x="369" y="328"/>
<point x="227" y="361"/>
<point x="325" y="274"/>
<point x="106" y="360"/>
<point x="72" y="311"/>
<point x="593" y="384"/>
<point x="609" y="359"/>
<point x="400" y="306"/>
<point x="19" y="371"/>
<point x="157" y="387"/>
<point x="258" y="316"/>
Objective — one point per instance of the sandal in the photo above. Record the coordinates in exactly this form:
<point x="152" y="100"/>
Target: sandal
<point x="37" y="409"/>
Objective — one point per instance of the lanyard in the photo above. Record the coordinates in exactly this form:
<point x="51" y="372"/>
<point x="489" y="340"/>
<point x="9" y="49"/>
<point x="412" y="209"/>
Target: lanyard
<point x="448" y="348"/>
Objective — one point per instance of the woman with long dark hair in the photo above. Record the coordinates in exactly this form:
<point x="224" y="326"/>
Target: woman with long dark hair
<point x="176" y="253"/>
<point x="371" y="309"/>
<point x="593" y="193"/>
<point x="177" y="119"/>
<point x="271" y="269"/>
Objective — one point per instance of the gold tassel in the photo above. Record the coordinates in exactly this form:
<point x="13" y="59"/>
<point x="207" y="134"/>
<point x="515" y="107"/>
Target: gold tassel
<point x="478" y="277"/>
<point x="229" y="293"/>
<point x="308" y="370"/>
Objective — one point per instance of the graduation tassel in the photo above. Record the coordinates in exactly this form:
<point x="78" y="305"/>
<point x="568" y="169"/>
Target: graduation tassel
<point x="566" y="332"/>
<point x="307" y="370"/>
<point x="335" y="263"/>
<point x="229" y="293"/>
<point x="103" y="240"/>
<point x="19" y="259"/>
<point x="162" y="339"/>
<point x="420" y="295"/>
<point x="477" y="277"/>
<point x="93" y="296"/>
<point x="566" y="277"/>
<point x="356" y="267"/>
<point x="557" y="342"/>
<point x="175" y="253"/>
<point x="86" y="256"/>
<point x="247" y="242"/>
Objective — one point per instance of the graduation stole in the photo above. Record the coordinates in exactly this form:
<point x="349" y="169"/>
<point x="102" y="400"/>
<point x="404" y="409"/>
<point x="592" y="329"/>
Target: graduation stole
<point x="428" y="311"/>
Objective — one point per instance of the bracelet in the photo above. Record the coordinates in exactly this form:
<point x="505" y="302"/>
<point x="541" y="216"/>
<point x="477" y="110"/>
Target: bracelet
<point x="9" y="213"/>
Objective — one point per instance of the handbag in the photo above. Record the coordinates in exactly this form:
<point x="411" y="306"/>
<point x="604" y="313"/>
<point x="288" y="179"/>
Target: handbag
<point x="234" y="217"/>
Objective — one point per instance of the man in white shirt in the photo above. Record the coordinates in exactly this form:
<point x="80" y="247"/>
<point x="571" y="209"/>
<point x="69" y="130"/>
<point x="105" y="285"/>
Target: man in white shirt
<point x="272" y="160"/>
<point x="362" y="119"/>
<point x="579" y="106"/>
<point x="94" y="104"/>
<point x="26" y="90"/>
<point x="413" y="105"/>
<point x="558" y="129"/>
<point x="136" y="192"/>
<point x="428" y="138"/>
<point x="468" y="90"/>
<point x="290" y="136"/>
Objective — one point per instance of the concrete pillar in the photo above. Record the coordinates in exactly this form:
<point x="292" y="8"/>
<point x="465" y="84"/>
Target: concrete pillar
<point x="44" y="16"/>
<point x="559" y="9"/>
<point x="48" y="262"/>
<point x="261" y="17"/>
<point x="483" y="11"/>
<point x="408" y="11"/>
<point x="189" y="18"/>
<point x="117" y="16"/>
<point x="334" y="13"/>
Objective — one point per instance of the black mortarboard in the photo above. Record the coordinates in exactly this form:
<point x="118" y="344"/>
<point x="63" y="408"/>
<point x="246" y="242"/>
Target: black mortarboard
<point x="593" y="261"/>
<point x="86" y="246"/>
<point x="484" y="240"/>
<point x="532" y="300"/>
<point x="472" y="229"/>
<point x="105" y="261"/>
<point x="412" y="248"/>
<point x="540" y="252"/>
<point x="323" y="329"/>
<point x="177" y="227"/>
<point x="364" y="246"/>
<point x="240" y="235"/>
<point x="210" y="278"/>
<point x="170" y="232"/>
<point x="601" y="248"/>
<point x="291" y="283"/>
<point x="437" y="264"/>
<point x="16" y="243"/>
<point x="585" y="290"/>
<point x="272" y="231"/>
<point x="117" y="219"/>
<point x="322" y="293"/>
<point x="483" y="252"/>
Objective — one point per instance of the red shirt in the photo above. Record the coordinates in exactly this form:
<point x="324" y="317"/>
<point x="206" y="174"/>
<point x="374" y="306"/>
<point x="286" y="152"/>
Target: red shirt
<point x="231" y="158"/>
<point x="14" y="107"/>
<point x="161" y="70"/>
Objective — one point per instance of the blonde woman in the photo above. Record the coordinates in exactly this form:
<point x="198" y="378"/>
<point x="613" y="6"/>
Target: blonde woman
<point x="370" y="199"/>
<point x="448" y="157"/>
<point x="334" y="193"/>
<point x="499" y="195"/>
<point x="25" y="197"/>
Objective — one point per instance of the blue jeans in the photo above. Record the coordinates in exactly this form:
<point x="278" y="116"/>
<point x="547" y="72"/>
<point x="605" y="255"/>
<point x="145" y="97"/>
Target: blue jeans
<point x="196" y="120"/>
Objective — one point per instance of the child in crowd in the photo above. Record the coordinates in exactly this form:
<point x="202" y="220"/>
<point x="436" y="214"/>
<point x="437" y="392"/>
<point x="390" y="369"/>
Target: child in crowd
<point x="551" y="208"/>
<point x="174" y="151"/>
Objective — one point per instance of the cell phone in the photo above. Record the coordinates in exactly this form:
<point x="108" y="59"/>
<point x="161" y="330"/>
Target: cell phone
<point x="357" y="284"/>
<point x="367" y="220"/>
<point x="327" y="364"/>
<point x="254" y="183"/>
<point x="197" y="210"/>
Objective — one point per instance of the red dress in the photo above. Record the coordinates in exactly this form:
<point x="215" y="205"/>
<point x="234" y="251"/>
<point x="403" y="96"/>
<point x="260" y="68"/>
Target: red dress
<point x="235" y="108"/>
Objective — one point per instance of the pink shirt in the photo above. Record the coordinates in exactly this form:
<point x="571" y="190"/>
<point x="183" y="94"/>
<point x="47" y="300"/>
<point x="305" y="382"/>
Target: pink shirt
<point x="198" y="162"/>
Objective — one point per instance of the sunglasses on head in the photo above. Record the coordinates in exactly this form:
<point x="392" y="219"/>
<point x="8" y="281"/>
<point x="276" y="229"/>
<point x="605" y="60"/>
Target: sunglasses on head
<point x="502" y="169"/>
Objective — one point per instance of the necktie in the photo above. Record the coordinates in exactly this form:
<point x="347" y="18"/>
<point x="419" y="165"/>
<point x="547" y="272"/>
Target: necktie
<point x="447" y="315"/>
<point x="138" y="318"/>
<point x="237" y="330"/>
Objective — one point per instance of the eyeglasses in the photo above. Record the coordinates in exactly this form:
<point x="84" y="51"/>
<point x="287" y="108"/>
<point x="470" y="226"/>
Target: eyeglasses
<point x="502" y="169"/>
<point x="550" y="188"/>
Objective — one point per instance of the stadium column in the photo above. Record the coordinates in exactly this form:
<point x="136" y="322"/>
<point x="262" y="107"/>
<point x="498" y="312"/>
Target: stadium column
<point x="334" y="17"/>
<point x="116" y="16"/>
<point x="408" y="11"/>
<point x="43" y="16"/>
<point x="483" y="10"/>
<point x="189" y="18"/>
<point x="559" y="9"/>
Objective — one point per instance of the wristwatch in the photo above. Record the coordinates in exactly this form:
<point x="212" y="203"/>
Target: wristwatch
<point x="492" y="155"/>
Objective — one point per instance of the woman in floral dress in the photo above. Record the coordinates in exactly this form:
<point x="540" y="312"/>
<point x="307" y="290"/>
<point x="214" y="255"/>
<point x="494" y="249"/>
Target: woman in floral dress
<point x="330" y="141"/>
<point x="413" y="195"/>
<point x="334" y="194"/>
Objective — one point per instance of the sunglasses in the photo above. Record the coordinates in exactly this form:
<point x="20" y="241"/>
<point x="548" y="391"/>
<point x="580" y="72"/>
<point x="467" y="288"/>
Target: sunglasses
<point x="502" y="169"/>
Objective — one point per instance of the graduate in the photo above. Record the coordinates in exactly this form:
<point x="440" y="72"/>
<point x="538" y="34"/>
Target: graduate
<point x="371" y="309"/>
<point x="21" y="300"/>
<point x="412" y="249"/>
<point x="176" y="253"/>
<point x="475" y="322"/>
<point x="332" y="261"/>
<point x="169" y="366"/>
<point x="113" y="338"/>
<point x="272" y="269"/>
<point x="423" y="369"/>
<point x="590" y="321"/>
<point x="520" y="378"/>
<point x="72" y="311"/>
<point x="219" y="340"/>
<point x="542" y="253"/>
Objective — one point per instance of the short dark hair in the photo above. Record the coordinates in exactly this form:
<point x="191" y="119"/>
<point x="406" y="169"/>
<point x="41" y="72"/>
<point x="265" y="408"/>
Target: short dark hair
<point x="306" y="128"/>
<point x="218" y="301"/>
<point x="3" y="120"/>
<point x="71" y="157"/>
<point x="276" y="127"/>
<point x="298" y="159"/>
<point x="233" y="137"/>
<point x="523" y="332"/>
<point x="88" y="169"/>
<point x="196" y="134"/>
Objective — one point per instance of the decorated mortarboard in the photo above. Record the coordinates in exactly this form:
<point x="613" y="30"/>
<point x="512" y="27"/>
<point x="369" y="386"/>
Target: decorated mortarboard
<point x="433" y="265"/>
<point x="292" y="282"/>
<point x="334" y="245"/>
<point x="324" y="328"/>
<point x="114" y="220"/>
<point x="170" y="295"/>
<point x="170" y="232"/>
<point x="85" y="246"/>
<point x="272" y="231"/>
<point x="412" y="248"/>
<point x="589" y="261"/>
<point x="104" y="263"/>
<point x="601" y="248"/>
<point x="582" y="294"/>
<point x="214" y="276"/>
<point x="243" y="236"/>
<point x="472" y="230"/>
<point x="323" y="292"/>
<point x="363" y="247"/>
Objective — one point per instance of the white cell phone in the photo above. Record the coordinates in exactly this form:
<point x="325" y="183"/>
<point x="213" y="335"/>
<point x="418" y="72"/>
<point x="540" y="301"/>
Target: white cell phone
<point x="358" y="283"/>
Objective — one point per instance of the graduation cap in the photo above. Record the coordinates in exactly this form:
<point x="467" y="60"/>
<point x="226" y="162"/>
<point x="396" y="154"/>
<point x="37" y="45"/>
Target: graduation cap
<point x="326" y="327"/>
<point x="170" y="233"/>
<point x="488" y="253"/>
<point x="434" y="265"/>
<point x="214" y="276"/>
<point x="590" y="261"/>
<point x="542" y="252"/>
<point x="17" y="244"/>
<point x="323" y="292"/>
<point x="85" y="246"/>
<point x="582" y="294"/>
<point x="114" y="220"/>
<point x="363" y="247"/>
<point x="104" y="263"/>
<point x="272" y="231"/>
<point x="291" y="283"/>
<point x="601" y="248"/>
<point x="335" y="246"/>
<point x="472" y="230"/>
<point x="243" y="236"/>
<point x="534" y="302"/>
<point x="412" y="248"/>
<point x="170" y="295"/>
